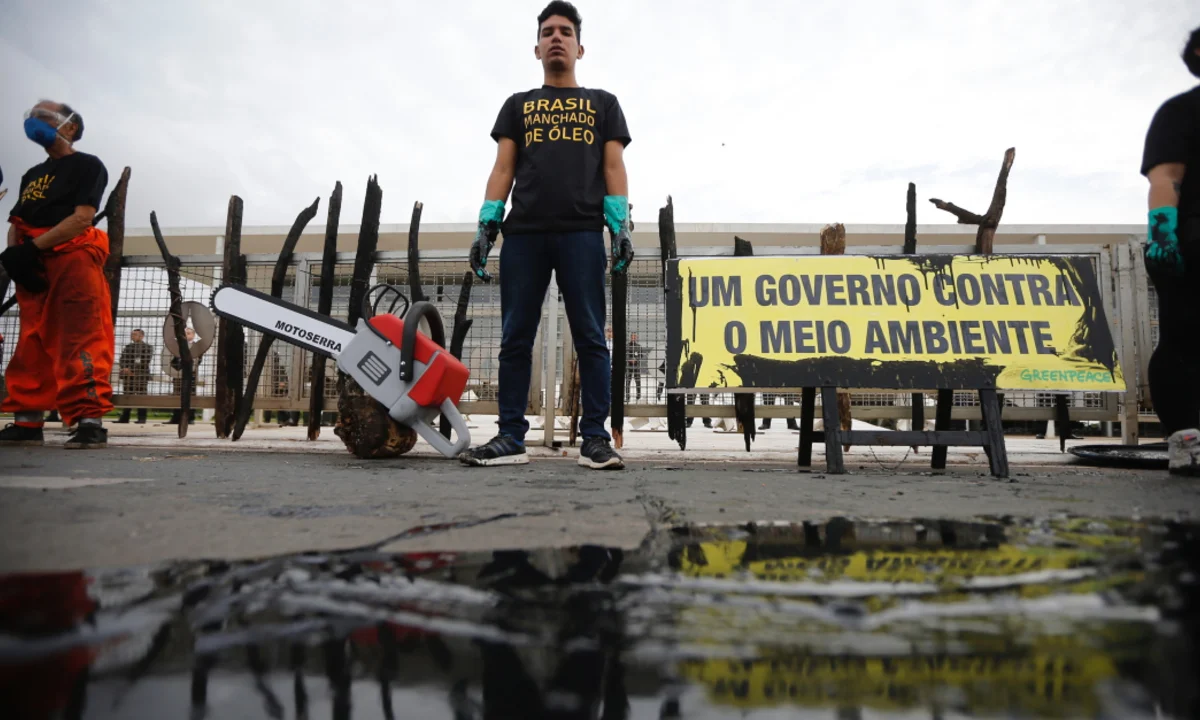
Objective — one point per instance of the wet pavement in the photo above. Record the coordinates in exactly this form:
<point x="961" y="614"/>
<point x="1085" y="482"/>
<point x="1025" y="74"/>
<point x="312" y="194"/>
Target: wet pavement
<point x="1056" y="616"/>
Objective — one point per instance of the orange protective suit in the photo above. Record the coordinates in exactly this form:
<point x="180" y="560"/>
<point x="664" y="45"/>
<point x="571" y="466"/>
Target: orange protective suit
<point x="64" y="353"/>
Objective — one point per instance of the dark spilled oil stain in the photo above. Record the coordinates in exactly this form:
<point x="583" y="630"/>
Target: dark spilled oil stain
<point x="1056" y="617"/>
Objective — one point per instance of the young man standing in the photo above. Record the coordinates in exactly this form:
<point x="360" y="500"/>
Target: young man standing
<point x="56" y="258"/>
<point x="1171" y="162"/>
<point x="562" y="145"/>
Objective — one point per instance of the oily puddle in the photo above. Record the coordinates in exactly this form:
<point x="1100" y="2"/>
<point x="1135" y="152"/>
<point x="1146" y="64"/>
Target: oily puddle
<point x="999" y="617"/>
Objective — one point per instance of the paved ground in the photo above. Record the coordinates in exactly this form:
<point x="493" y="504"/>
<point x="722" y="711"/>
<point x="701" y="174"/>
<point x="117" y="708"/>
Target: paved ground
<point x="151" y="497"/>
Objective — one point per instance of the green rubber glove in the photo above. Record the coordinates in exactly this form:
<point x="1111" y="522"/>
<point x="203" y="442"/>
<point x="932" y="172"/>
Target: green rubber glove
<point x="616" y="216"/>
<point x="1162" y="246"/>
<point x="490" y="217"/>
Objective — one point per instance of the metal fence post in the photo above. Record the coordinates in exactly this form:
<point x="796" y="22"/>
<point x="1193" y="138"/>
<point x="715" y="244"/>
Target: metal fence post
<point x="1128" y="344"/>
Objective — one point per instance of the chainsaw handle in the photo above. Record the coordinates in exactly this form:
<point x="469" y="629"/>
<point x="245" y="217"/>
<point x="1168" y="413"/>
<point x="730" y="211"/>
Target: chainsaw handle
<point x="412" y="320"/>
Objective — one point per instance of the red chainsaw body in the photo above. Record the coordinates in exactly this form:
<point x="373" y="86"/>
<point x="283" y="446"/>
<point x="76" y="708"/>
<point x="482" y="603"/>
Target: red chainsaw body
<point x="444" y="378"/>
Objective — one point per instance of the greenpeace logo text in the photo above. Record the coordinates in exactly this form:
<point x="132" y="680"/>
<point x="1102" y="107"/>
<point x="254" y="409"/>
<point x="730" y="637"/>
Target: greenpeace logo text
<point x="308" y="336"/>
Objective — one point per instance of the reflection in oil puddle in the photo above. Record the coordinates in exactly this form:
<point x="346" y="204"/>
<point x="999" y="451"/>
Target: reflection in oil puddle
<point x="845" y="619"/>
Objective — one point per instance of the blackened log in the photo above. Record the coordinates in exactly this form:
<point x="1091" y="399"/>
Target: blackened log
<point x="458" y="335"/>
<point x="910" y="221"/>
<point x="264" y="348"/>
<point x="316" y="400"/>
<point x="368" y="242"/>
<point x="985" y="237"/>
<point x="910" y="248"/>
<point x="231" y="338"/>
<point x="676" y="404"/>
<point x="414" y="255"/>
<point x="188" y="381"/>
<point x="743" y="403"/>
<point x="114" y="210"/>
<point x="620" y="301"/>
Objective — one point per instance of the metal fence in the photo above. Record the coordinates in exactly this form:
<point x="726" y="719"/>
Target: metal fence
<point x="286" y="381"/>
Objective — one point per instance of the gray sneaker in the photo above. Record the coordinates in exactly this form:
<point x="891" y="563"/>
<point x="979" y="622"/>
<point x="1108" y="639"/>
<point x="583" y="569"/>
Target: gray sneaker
<point x="500" y="450"/>
<point x="1183" y="453"/>
<point x="598" y="454"/>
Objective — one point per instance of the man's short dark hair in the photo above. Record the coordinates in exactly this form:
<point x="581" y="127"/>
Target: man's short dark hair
<point x="1190" y="58"/>
<point x="562" y="9"/>
<point x="67" y="110"/>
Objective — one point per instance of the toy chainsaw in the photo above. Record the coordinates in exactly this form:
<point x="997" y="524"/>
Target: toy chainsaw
<point x="411" y="375"/>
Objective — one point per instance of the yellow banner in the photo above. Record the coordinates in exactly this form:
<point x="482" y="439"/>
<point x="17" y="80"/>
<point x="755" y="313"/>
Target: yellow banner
<point x="920" y="322"/>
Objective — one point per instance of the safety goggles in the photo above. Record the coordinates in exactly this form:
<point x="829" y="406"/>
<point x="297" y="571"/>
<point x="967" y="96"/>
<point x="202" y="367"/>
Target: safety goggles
<point x="53" y="117"/>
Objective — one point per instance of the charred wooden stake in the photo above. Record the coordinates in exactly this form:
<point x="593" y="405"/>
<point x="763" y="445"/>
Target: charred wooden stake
<point x="368" y="242"/>
<point x="676" y="404"/>
<point x="414" y="256"/>
<point x="114" y="210"/>
<point x="316" y="399"/>
<point x="458" y="335"/>
<point x="188" y="381"/>
<point x="619" y="304"/>
<point x="363" y="422"/>
<point x="984" y="241"/>
<point x="231" y="338"/>
<point x="910" y="248"/>
<point x="989" y="221"/>
<point x="833" y="242"/>
<point x="743" y="403"/>
<point x="264" y="347"/>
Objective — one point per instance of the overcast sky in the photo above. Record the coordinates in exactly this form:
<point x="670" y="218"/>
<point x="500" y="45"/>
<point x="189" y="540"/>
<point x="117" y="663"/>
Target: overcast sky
<point x="766" y="111"/>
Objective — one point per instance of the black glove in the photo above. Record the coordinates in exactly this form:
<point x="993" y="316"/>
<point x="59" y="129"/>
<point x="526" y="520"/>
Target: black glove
<point x="485" y="238"/>
<point x="23" y="263"/>
<point x="622" y="250"/>
<point x="176" y="364"/>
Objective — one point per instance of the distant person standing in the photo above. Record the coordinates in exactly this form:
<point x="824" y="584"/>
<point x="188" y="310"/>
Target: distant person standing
<point x="55" y="256"/>
<point x="1171" y="163"/>
<point x="135" y="372"/>
<point x="560" y="151"/>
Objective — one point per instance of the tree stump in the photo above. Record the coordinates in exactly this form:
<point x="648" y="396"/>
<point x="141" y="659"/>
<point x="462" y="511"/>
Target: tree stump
<point x="365" y="427"/>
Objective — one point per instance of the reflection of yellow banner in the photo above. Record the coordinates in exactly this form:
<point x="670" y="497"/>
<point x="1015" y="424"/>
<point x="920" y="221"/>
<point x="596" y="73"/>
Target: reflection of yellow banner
<point x="722" y="559"/>
<point x="890" y="322"/>
<point x="1036" y="682"/>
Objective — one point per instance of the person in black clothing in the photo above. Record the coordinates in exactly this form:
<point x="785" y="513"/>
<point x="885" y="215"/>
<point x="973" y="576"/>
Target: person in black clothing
<point x="1172" y="256"/>
<point x="560" y="152"/>
<point x="769" y="399"/>
<point x="135" y="372"/>
<point x="636" y="357"/>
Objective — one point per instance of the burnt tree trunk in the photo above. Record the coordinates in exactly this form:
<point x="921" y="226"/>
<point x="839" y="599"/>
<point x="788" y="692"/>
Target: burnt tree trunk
<point x="316" y="399"/>
<point x="264" y="348"/>
<point x="414" y="255"/>
<point x="910" y="248"/>
<point x="743" y="402"/>
<point x="114" y="210"/>
<point x="363" y="423"/>
<point x="989" y="221"/>
<point x="833" y="242"/>
<point x="984" y="242"/>
<point x="231" y="338"/>
<point x="458" y="335"/>
<point x="188" y="381"/>
<point x="676" y="404"/>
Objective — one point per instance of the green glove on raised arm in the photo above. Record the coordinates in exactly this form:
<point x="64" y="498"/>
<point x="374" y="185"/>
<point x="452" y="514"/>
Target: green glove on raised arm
<point x="1162" y="246"/>
<point x="490" y="217"/>
<point x="616" y="216"/>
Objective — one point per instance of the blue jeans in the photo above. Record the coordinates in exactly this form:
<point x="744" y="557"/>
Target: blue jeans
<point x="579" y="262"/>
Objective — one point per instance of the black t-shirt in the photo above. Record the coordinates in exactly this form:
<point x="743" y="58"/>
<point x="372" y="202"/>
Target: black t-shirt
<point x="1174" y="137"/>
<point x="560" y="135"/>
<point x="50" y="191"/>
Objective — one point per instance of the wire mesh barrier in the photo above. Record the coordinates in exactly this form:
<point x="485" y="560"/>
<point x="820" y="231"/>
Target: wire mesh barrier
<point x="286" y="382"/>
